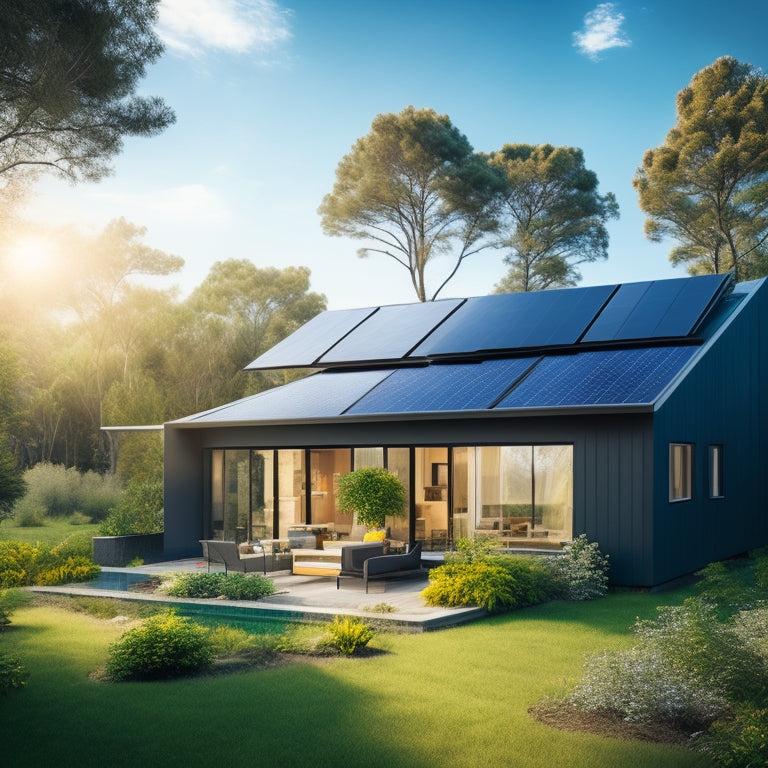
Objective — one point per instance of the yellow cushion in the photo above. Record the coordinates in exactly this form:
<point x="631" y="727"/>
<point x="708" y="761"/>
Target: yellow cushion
<point x="375" y="536"/>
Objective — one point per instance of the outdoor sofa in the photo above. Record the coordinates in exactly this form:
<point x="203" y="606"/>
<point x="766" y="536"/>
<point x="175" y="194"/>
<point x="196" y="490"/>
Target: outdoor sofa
<point x="227" y="553"/>
<point x="358" y="563"/>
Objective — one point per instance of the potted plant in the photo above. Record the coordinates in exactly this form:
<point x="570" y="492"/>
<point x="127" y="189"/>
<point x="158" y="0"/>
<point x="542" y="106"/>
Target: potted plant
<point x="372" y="493"/>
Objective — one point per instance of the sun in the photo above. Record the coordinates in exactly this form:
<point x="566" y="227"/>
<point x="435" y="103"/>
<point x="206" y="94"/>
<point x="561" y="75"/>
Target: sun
<point x="29" y="256"/>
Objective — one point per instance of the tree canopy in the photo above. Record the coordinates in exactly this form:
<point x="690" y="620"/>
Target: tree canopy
<point x="68" y="74"/>
<point x="414" y="188"/>
<point x="707" y="185"/>
<point x="551" y="217"/>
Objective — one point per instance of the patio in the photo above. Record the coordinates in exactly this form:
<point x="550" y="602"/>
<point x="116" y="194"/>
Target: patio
<point x="300" y="598"/>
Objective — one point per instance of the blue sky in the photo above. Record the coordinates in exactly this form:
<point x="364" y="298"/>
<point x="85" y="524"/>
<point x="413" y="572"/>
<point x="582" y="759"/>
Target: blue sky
<point x="269" y="96"/>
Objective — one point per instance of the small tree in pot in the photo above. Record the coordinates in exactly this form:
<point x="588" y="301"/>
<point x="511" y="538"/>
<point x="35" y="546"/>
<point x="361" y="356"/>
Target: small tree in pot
<point x="372" y="493"/>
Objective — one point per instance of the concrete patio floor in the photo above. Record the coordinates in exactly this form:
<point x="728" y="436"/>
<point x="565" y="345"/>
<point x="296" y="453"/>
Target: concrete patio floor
<point x="300" y="598"/>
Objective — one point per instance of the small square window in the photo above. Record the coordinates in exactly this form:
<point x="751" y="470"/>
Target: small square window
<point x="680" y="471"/>
<point x="716" y="488"/>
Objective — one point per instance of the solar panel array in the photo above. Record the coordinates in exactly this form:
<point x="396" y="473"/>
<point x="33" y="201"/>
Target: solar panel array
<point x="603" y="346"/>
<point x="504" y="323"/>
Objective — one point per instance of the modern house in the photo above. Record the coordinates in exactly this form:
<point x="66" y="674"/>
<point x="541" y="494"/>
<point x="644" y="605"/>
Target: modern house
<point x="634" y="413"/>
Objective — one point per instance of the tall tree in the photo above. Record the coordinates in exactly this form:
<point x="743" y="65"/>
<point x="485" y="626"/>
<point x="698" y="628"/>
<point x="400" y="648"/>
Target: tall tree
<point x="414" y="188"/>
<point x="707" y="185"/>
<point x="235" y="314"/>
<point x="68" y="74"/>
<point x="551" y="217"/>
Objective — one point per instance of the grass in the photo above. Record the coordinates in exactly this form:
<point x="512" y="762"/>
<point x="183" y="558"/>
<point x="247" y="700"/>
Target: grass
<point x="454" y="698"/>
<point x="53" y="532"/>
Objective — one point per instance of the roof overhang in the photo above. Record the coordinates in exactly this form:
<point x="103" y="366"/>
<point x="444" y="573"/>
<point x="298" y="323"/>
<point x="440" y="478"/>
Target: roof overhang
<point x="511" y="413"/>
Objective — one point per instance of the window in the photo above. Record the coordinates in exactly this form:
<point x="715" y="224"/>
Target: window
<point x="680" y="471"/>
<point x="716" y="472"/>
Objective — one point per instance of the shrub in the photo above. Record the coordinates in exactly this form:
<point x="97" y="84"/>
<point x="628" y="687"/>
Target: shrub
<point x="75" y="545"/>
<point x="582" y="570"/>
<point x="163" y="646"/>
<point x="12" y="674"/>
<point x="29" y="517"/>
<point x="494" y="582"/>
<point x="688" y="668"/>
<point x="73" y="569"/>
<point x="348" y="634"/>
<point x="232" y="586"/>
<point x="741" y="742"/>
<point x="57" y="491"/>
<point x="694" y="640"/>
<point x="471" y="584"/>
<point x="140" y="510"/>
<point x="643" y="684"/>
<point x="23" y="565"/>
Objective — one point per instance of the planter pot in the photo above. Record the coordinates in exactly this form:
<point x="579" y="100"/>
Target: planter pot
<point x="118" y="551"/>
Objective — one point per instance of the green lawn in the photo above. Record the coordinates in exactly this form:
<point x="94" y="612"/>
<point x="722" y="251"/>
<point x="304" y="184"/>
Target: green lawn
<point x="457" y="697"/>
<point x="53" y="532"/>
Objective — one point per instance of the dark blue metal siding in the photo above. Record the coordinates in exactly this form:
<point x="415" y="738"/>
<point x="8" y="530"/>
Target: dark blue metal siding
<point x="724" y="401"/>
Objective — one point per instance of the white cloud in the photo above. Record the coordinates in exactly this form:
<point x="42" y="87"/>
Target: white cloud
<point x="192" y="27"/>
<point x="602" y="30"/>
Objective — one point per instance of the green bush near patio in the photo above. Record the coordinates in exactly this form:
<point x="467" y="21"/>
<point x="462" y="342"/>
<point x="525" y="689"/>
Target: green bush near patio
<point x="474" y="576"/>
<point x="348" y="634"/>
<point x="164" y="646"/>
<point x="232" y="586"/>
<point x="23" y="565"/>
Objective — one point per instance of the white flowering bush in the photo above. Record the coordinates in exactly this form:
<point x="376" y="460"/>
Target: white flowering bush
<point x="751" y="628"/>
<point x="582" y="570"/>
<point x="644" y="685"/>
<point x="688" y="668"/>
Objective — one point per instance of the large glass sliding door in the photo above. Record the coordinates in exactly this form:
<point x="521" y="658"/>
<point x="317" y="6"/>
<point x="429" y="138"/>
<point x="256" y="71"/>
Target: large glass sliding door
<point x="515" y="492"/>
<point x="522" y="494"/>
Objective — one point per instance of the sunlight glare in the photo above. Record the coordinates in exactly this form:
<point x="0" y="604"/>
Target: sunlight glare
<point x="30" y="256"/>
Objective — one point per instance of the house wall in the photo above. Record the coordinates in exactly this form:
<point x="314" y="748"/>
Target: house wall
<point x="723" y="400"/>
<point x="612" y="484"/>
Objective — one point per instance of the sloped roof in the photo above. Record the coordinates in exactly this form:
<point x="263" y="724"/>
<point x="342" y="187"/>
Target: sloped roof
<point x="608" y="347"/>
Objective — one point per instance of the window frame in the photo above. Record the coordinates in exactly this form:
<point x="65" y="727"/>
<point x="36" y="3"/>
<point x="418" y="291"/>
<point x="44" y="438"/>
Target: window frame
<point x="685" y="467"/>
<point x="715" y="464"/>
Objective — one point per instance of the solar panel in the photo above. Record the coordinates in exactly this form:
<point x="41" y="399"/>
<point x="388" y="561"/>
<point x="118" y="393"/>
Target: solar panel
<point x="516" y="321"/>
<point x="612" y="377"/>
<point x="459" y="387"/>
<point x="390" y="333"/>
<point x="656" y="309"/>
<point x="306" y="345"/>
<point x="322" y="395"/>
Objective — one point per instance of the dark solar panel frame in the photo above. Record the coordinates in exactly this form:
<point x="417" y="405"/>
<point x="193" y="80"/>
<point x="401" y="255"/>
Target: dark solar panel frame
<point x="312" y="340"/>
<point x="321" y="395"/>
<point x="389" y="333"/>
<point x="634" y="376"/>
<point x="510" y="321"/>
<point x="657" y="309"/>
<point x="444" y="387"/>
